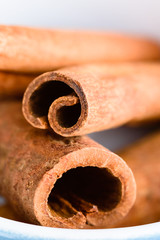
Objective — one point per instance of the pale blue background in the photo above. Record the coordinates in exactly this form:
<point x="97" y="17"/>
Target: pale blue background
<point x="134" y="16"/>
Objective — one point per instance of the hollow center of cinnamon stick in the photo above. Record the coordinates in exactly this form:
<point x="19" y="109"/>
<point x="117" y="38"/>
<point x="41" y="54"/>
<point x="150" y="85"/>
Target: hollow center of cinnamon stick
<point x="68" y="116"/>
<point x="46" y="94"/>
<point x="86" y="190"/>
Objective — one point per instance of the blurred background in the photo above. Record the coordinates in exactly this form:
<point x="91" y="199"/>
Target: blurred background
<point x="140" y="17"/>
<point x="133" y="16"/>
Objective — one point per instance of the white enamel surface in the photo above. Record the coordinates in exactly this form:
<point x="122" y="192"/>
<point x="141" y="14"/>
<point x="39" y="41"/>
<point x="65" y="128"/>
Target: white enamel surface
<point x="18" y="230"/>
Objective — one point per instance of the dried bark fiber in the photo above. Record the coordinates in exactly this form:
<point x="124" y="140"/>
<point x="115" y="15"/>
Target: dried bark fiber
<point x="37" y="50"/>
<point x="88" y="98"/>
<point x="14" y="84"/>
<point x="144" y="160"/>
<point x="98" y="187"/>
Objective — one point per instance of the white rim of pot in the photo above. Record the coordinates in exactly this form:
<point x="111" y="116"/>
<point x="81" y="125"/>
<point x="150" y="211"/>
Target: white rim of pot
<point x="19" y="230"/>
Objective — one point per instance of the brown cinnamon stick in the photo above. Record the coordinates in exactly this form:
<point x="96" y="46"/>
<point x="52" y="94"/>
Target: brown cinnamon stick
<point x="14" y="84"/>
<point x="37" y="50"/>
<point x="144" y="160"/>
<point x="88" y="98"/>
<point x="60" y="182"/>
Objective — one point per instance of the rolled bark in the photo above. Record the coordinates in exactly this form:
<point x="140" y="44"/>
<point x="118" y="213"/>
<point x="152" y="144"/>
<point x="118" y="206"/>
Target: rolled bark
<point x="88" y="98"/>
<point x="14" y="84"/>
<point x="60" y="182"/>
<point x="38" y="50"/>
<point x="144" y="160"/>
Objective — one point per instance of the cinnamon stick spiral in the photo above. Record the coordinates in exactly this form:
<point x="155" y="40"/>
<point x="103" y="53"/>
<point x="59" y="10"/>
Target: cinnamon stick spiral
<point x="88" y="98"/>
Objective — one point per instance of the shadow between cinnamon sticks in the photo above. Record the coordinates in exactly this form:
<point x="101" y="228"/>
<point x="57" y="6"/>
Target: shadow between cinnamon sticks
<point x="60" y="182"/>
<point x="14" y="84"/>
<point x="38" y="50"/>
<point x="88" y="98"/>
<point x="7" y="212"/>
<point x="144" y="159"/>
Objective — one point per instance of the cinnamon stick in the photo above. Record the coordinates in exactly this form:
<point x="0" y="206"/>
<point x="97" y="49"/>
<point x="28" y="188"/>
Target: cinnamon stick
<point x="144" y="160"/>
<point x="38" y="50"/>
<point x="14" y="84"/>
<point x="88" y="98"/>
<point x="60" y="182"/>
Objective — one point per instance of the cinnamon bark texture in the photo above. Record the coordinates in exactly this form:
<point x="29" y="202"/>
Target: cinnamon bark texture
<point x="14" y="84"/>
<point x="88" y="98"/>
<point x="144" y="160"/>
<point x="38" y="50"/>
<point x="60" y="182"/>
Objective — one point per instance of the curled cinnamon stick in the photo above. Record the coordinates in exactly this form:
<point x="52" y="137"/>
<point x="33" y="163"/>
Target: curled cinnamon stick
<point x="60" y="182"/>
<point x="144" y="160"/>
<point x="88" y="98"/>
<point x="37" y="50"/>
<point x="14" y="84"/>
